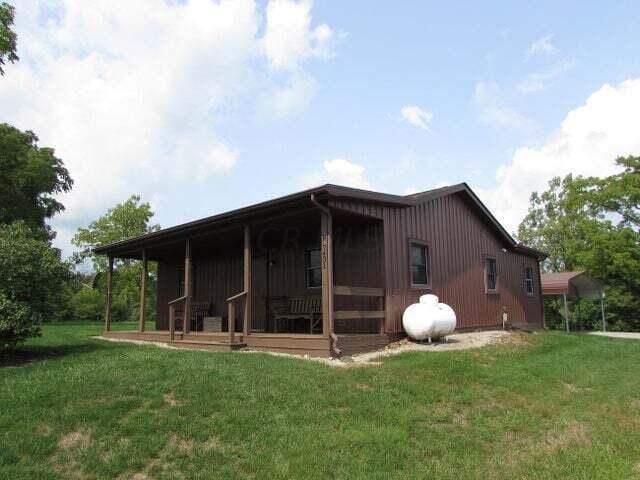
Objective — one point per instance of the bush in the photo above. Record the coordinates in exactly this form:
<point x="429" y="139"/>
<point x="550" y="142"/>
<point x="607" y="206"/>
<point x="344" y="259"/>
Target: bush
<point x="32" y="279"/>
<point x="17" y="322"/>
<point x="87" y="304"/>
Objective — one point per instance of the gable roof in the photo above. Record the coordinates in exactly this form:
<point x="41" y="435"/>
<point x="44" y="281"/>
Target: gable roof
<point x="323" y="192"/>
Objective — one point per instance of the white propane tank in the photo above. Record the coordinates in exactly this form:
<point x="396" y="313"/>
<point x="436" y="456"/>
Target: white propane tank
<point x="428" y="319"/>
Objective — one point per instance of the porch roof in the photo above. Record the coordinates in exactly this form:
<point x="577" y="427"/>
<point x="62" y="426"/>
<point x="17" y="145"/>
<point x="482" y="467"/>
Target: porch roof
<point x="302" y="200"/>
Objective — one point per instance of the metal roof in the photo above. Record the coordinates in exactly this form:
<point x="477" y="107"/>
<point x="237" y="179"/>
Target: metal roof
<point x="323" y="191"/>
<point x="572" y="284"/>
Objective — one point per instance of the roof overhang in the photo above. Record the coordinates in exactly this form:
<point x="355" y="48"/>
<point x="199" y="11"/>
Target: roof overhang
<point x="302" y="200"/>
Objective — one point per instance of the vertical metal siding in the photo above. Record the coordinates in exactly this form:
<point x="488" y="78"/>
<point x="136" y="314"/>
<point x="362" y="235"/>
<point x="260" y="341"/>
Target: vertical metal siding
<point x="459" y="239"/>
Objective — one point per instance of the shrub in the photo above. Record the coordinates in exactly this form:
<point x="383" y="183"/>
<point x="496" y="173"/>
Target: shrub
<point x="87" y="304"/>
<point x="17" y="322"/>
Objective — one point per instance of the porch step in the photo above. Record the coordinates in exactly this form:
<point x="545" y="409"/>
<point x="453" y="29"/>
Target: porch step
<point x="208" y="345"/>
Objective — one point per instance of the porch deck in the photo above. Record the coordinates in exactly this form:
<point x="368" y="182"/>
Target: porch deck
<point x="297" y="344"/>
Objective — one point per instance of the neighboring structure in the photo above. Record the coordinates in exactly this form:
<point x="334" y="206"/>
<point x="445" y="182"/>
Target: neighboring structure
<point x="330" y="270"/>
<point x="573" y="285"/>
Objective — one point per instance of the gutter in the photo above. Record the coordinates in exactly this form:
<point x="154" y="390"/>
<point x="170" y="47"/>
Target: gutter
<point x="332" y="335"/>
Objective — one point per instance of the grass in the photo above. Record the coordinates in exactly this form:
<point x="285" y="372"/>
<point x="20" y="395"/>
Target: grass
<point x="551" y="406"/>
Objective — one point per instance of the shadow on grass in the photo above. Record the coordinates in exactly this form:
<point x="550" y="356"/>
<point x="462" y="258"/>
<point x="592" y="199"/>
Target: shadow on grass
<point x="25" y="355"/>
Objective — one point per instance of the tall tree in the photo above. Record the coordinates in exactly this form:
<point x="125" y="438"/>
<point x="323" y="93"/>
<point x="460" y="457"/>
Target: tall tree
<point x="8" y="38"/>
<point x="592" y="224"/>
<point x="128" y="219"/>
<point x="30" y="177"/>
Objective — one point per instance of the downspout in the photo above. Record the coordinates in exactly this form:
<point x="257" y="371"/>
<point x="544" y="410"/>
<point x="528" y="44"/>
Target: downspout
<point x="332" y="335"/>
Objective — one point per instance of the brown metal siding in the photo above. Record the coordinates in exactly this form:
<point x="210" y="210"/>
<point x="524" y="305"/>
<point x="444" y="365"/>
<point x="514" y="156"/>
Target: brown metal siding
<point x="223" y="271"/>
<point x="459" y="240"/>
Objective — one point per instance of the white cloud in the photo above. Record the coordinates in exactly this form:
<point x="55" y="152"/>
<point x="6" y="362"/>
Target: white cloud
<point x="290" y="99"/>
<point x="289" y="38"/>
<point x="339" y="171"/>
<point x="491" y="110"/>
<point x="589" y="139"/>
<point x="130" y="94"/>
<point x="416" y="116"/>
<point x="538" y="81"/>
<point x="543" y="46"/>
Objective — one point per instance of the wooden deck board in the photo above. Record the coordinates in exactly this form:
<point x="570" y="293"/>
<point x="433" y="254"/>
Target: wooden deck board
<point x="297" y="344"/>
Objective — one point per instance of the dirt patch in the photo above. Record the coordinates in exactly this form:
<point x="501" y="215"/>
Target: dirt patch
<point x="363" y="386"/>
<point x="212" y="443"/>
<point x="573" y="434"/>
<point x="74" y="440"/>
<point x="575" y="389"/>
<point x="170" y="400"/>
<point x="183" y="445"/>
<point x="460" y="419"/>
<point x="65" y="460"/>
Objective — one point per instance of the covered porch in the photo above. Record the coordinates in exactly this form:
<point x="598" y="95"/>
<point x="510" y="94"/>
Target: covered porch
<point x="303" y="279"/>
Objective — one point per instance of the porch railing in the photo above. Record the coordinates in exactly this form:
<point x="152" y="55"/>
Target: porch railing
<point x="231" y="306"/>
<point x="172" y="315"/>
<point x="361" y="314"/>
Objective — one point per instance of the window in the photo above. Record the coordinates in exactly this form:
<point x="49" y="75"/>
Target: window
<point x="528" y="280"/>
<point x="491" y="274"/>
<point x="419" y="258"/>
<point x="313" y="268"/>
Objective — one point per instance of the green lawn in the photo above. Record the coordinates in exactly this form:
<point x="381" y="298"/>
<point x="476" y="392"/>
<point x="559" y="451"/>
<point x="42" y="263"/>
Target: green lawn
<point x="552" y="406"/>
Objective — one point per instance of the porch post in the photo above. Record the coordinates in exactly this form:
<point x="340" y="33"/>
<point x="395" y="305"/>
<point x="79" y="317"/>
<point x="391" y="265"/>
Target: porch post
<point x="326" y="234"/>
<point x="107" y="313"/>
<point x="247" y="281"/>
<point x="566" y="311"/>
<point x="604" y="320"/>
<point x="143" y="288"/>
<point x="186" y="321"/>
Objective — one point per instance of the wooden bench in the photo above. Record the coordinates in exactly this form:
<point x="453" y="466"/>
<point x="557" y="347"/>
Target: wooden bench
<point x="308" y="309"/>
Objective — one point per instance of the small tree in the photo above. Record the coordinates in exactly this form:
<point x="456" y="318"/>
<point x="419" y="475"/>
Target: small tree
<point x="128" y="219"/>
<point x="32" y="278"/>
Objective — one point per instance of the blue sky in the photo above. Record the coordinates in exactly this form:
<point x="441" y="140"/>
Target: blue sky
<point x="204" y="106"/>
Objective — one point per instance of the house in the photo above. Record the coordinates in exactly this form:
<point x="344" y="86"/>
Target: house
<point x="330" y="270"/>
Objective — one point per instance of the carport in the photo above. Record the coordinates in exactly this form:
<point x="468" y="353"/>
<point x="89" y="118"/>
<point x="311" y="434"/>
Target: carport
<point x="573" y="285"/>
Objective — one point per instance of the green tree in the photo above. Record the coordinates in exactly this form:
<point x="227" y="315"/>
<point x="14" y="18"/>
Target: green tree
<point x="87" y="304"/>
<point x="8" y="38"/>
<point x="592" y="224"/>
<point x="128" y="219"/>
<point x="32" y="278"/>
<point x="30" y="177"/>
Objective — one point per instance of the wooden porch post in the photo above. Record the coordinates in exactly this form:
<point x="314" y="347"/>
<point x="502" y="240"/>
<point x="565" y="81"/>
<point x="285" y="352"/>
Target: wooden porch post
<point x="247" y="281"/>
<point x="326" y="234"/>
<point x="107" y="313"/>
<point x="143" y="288"/>
<point x="566" y="311"/>
<point x="186" y="321"/>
